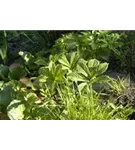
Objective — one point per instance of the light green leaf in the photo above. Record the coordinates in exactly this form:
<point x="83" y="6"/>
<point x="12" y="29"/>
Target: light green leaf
<point x="93" y="63"/>
<point x="31" y="97"/>
<point x="74" y="59"/>
<point x="75" y="77"/>
<point x="81" y="86"/>
<point x="64" y="61"/>
<point x="101" y="79"/>
<point x="82" y="71"/>
<point x="15" y="110"/>
<point x="102" y="68"/>
<point x="42" y="79"/>
<point x="82" y="68"/>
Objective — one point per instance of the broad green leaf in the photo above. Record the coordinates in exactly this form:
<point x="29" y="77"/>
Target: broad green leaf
<point x="82" y="68"/>
<point x="59" y="73"/>
<point x="42" y="79"/>
<point x="93" y="63"/>
<point x="17" y="73"/>
<point x="101" y="79"/>
<point x="43" y="70"/>
<point x="6" y="96"/>
<point x="40" y="61"/>
<point x="75" y="77"/>
<point x="65" y="68"/>
<point x="94" y="45"/>
<point x="81" y="86"/>
<point x="4" y="70"/>
<point x="31" y="98"/>
<point x="102" y="68"/>
<point x="15" y="110"/>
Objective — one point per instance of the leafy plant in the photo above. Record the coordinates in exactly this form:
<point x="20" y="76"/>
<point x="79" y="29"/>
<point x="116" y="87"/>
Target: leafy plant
<point x="16" y="72"/>
<point x="4" y="37"/>
<point x="69" y="64"/>
<point x="121" y="92"/>
<point x="89" y="73"/>
<point x="90" y="44"/>
<point x="51" y="75"/>
<point x="125" y="60"/>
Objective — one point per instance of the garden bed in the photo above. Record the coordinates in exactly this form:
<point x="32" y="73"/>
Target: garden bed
<point x="70" y="75"/>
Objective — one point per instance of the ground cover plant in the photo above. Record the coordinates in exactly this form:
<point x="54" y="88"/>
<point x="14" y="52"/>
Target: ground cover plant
<point x="62" y="75"/>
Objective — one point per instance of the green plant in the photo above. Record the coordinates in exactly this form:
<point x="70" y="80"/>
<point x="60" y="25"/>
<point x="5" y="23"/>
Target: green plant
<point x="68" y="105"/>
<point x="62" y="87"/>
<point x="90" y="44"/>
<point x="44" y="39"/>
<point x="89" y="72"/>
<point x="125" y="61"/>
<point x="3" y="49"/>
<point x="4" y="37"/>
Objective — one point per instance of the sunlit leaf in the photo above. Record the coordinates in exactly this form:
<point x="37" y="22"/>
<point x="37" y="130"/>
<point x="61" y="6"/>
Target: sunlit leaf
<point x="15" y="110"/>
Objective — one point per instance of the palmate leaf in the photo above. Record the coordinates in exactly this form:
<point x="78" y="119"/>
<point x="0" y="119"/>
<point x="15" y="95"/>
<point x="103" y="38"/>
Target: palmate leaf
<point x="70" y="64"/>
<point x="82" y="68"/>
<point x="82" y="71"/>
